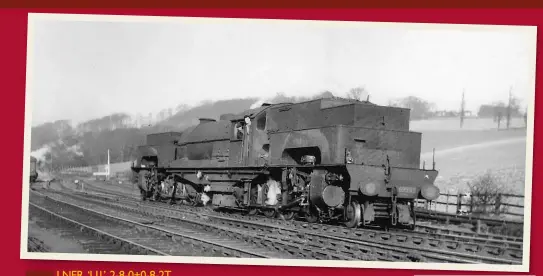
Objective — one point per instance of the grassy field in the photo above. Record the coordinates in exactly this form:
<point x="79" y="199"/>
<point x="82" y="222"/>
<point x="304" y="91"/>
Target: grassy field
<point x="462" y="155"/>
<point x="453" y="124"/>
<point x="446" y="133"/>
<point x="447" y="139"/>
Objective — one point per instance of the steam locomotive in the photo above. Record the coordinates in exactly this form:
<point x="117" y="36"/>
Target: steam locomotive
<point x="33" y="169"/>
<point x="325" y="160"/>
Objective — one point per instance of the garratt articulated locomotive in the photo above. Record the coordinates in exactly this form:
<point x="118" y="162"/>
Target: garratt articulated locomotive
<point x="326" y="160"/>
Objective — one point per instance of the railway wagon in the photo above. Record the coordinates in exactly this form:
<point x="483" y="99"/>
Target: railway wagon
<point x="33" y="169"/>
<point x="329" y="159"/>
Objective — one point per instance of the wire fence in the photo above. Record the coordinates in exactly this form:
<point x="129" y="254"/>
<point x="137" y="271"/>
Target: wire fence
<point x="497" y="206"/>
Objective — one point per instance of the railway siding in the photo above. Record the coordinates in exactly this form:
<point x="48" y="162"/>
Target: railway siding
<point x="438" y="247"/>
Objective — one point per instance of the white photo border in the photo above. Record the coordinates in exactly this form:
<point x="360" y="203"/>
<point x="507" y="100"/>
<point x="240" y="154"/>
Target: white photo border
<point x="34" y="18"/>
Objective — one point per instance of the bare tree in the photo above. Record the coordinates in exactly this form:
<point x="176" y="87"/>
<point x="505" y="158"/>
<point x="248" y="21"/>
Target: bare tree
<point x="486" y="193"/>
<point x="356" y="93"/>
<point x="513" y="107"/>
<point x="420" y="109"/>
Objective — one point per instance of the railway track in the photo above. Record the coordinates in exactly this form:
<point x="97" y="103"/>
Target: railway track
<point x="447" y="233"/>
<point x="136" y="235"/>
<point x="88" y="234"/>
<point x="386" y="245"/>
<point x="435" y="231"/>
<point x="242" y="240"/>
<point x="35" y="245"/>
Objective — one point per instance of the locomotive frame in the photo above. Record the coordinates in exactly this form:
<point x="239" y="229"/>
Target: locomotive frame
<point x="328" y="159"/>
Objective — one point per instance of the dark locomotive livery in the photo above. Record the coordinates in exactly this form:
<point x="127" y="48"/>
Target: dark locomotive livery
<point x="326" y="160"/>
<point x="33" y="169"/>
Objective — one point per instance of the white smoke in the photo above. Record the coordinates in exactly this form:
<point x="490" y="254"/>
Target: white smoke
<point x="205" y="199"/>
<point x="257" y="104"/>
<point x="44" y="150"/>
<point x="274" y="99"/>
<point x="273" y="191"/>
<point x="40" y="153"/>
<point x="75" y="149"/>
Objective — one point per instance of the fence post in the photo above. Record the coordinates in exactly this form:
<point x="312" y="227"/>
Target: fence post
<point x="498" y="204"/>
<point x="471" y="204"/>
<point x="447" y="205"/>
<point x="478" y="230"/>
<point x="458" y="203"/>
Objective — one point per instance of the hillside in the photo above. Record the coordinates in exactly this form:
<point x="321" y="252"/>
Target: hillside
<point x="87" y="143"/>
<point x="185" y="119"/>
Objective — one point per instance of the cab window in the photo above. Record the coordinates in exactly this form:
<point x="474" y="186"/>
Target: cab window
<point x="261" y="122"/>
<point x="238" y="131"/>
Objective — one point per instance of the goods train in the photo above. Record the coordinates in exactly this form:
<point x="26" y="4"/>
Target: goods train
<point x="326" y="160"/>
<point x="33" y="169"/>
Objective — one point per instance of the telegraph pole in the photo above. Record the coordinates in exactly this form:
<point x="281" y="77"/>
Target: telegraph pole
<point x="122" y="154"/>
<point x="107" y="168"/>
<point x="51" y="169"/>
<point x="462" y="109"/>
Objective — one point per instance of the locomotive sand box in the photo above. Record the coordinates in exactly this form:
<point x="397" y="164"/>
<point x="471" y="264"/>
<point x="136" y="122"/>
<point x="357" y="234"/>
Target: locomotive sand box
<point x="330" y="159"/>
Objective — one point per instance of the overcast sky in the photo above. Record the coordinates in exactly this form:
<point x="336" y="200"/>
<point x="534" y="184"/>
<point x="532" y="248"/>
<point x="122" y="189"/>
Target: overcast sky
<point x="86" y="69"/>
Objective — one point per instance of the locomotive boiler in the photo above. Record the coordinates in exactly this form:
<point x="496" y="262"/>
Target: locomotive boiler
<point x="325" y="160"/>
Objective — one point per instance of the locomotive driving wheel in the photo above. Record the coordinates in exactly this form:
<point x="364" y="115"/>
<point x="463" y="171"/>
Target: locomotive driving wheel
<point x="270" y="213"/>
<point x="251" y="211"/>
<point x="311" y="215"/>
<point x="287" y="215"/>
<point x="156" y="194"/>
<point x="354" y="214"/>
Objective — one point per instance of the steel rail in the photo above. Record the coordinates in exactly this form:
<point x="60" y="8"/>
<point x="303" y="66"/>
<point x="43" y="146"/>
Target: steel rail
<point x="278" y="246"/>
<point x="93" y="233"/>
<point x="146" y="235"/>
<point x="447" y="233"/>
<point x="473" y="240"/>
<point x="380" y="240"/>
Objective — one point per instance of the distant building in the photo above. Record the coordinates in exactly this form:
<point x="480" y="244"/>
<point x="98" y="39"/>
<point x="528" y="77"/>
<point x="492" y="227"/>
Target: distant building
<point x="491" y="111"/>
<point x="488" y="111"/>
<point x="446" y="113"/>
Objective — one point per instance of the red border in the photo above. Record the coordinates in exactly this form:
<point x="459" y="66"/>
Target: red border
<point x="13" y="28"/>
<point x="274" y="4"/>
